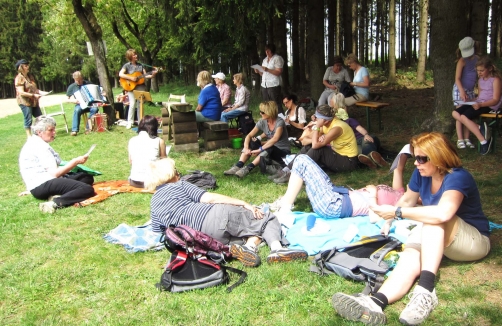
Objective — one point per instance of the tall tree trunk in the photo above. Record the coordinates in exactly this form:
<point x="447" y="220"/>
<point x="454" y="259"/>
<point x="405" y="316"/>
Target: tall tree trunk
<point x="402" y="34"/>
<point x="347" y="27"/>
<point x="280" y="40"/>
<point x="409" y="34"/>
<point x="295" y="46"/>
<point x="494" y="27"/>
<point x="446" y="17"/>
<point x="316" y="41"/>
<point x="85" y="15"/>
<point x="478" y="22"/>
<point x="331" y="7"/>
<point x="392" y="42"/>
<point x="302" y="29"/>
<point x="339" y="29"/>
<point x="354" y="33"/>
<point x="378" y="26"/>
<point x="422" y="54"/>
<point x="363" y="13"/>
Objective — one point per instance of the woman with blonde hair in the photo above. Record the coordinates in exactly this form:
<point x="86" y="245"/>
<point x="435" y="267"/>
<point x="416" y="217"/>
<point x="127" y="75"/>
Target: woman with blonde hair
<point x="209" y="102"/>
<point x="361" y="81"/>
<point x="275" y="148"/>
<point x="229" y="220"/>
<point x="241" y="104"/>
<point x="332" y="143"/>
<point x="454" y="225"/>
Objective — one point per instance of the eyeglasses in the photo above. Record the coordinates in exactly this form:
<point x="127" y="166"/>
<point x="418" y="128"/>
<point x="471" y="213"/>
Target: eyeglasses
<point x="421" y="159"/>
<point x="261" y="112"/>
<point x="285" y="102"/>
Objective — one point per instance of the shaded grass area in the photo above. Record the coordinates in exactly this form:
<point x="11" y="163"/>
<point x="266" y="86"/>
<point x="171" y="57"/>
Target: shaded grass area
<point x="57" y="269"/>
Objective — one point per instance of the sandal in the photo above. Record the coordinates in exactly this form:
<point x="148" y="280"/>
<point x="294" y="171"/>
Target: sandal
<point x="460" y="144"/>
<point x="468" y="143"/>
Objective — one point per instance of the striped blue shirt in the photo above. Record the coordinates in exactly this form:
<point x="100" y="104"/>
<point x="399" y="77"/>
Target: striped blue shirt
<point x="178" y="203"/>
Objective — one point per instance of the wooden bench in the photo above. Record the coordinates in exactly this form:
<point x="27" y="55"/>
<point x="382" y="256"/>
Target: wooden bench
<point x="373" y="106"/>
<point x="215" y="135"/>
<point x="494" y="116"/>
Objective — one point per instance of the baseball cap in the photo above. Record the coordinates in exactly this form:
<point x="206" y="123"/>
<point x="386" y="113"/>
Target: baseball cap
<point x="219" y="75"/>
<point x="21" y="62"/>
<point x="466" y="47"/>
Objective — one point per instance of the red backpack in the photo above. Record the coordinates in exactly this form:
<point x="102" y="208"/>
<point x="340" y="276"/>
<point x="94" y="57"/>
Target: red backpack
<point x="197" y="261"/>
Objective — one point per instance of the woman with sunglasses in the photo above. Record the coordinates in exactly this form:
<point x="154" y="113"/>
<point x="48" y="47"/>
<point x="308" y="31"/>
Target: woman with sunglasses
<point x="332" y="143"/>
<point x="229" y="220"/>
<point x="296" y="117"/>
<point x="277" y="146"/>
<point x="454" y="225"/>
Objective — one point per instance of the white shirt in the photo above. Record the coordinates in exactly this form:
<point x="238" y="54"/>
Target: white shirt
<point x="35" y="159"/>
<point x="268" y="79"/>
<point x="142" y="150"/>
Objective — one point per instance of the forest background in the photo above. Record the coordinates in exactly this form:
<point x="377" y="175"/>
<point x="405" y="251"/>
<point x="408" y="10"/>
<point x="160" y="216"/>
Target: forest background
<point x="186" y="36"/>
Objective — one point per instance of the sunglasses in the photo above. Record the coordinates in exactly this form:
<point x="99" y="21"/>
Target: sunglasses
<point x="422" y="159"/>
<point x="261" y="112"/>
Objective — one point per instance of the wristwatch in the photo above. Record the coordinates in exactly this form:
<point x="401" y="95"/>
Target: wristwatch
<point x="399" y="215"/>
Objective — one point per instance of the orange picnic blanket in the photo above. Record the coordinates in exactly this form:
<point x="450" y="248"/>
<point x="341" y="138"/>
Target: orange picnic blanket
<point x="105" y="189"/>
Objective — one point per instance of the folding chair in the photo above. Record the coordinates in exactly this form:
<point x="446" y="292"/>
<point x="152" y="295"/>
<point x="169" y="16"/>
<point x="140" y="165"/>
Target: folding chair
<point x="55" y="114"/>
<point x="167" y="105"/>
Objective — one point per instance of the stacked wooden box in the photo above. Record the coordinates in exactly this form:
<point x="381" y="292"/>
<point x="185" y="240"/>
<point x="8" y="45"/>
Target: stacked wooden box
<point x="215" y="135"/>
<point x="184" y="127"/>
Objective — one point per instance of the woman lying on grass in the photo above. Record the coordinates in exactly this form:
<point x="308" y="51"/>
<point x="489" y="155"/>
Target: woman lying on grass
<point x="454" y="225"/>
<point x="224" y="218"/>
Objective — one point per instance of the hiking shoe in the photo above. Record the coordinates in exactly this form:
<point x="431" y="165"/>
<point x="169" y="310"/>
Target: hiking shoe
<point x="421" y="304"/>
<point x="278" y="174"/>
<point x="468" y="143"/>
<point x="48" y="207"/>
<point x="358" y="307"/>
<point x="246" y="256"/>
<point x="272" y="169"/>
<point x="286" y="254"/>
<point x="283" y="179"/>
<point x="378" y="159"/>
<point x="232" y="170"/>
<point x="243" y="172"/>
<point x="485" y="149"/>
<point x="366" y="161"/>
<point x="74" y="133"/>
<point x="460" y="144"/>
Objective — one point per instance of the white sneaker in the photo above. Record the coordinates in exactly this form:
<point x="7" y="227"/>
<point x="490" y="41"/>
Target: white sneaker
<point x="421" y="304"/>
<point x="358" y="307"/>
<point x="48" y="207"/>
<point x="128" y="125"/>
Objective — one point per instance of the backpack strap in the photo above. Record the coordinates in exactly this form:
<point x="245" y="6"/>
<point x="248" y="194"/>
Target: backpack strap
<point x="318" y="264"/>
<point x="242" y="277"/>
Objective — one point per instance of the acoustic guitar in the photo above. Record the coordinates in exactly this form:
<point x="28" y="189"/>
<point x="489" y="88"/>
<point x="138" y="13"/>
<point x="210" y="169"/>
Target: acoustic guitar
<point x="130" y="85"/>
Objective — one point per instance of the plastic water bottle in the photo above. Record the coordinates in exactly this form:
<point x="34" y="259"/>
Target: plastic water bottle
<point x="265" y="209"/>
<point x="310" y="222"/>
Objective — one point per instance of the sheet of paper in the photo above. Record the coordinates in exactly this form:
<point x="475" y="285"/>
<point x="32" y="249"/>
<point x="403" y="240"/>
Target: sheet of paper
<point x="404" y="151"/>
<point x="168" y="149"/>
<point x="90" y="150"/>
<point x="258" y="67"/>
<point x="458" y="102"/>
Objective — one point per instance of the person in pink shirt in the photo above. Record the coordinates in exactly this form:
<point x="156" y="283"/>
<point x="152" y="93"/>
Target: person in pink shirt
<point x="223" y="88"/>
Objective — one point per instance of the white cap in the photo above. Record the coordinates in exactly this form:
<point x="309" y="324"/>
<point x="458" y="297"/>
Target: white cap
<point x="466" y="47"/>
<point x="219" y="75"/>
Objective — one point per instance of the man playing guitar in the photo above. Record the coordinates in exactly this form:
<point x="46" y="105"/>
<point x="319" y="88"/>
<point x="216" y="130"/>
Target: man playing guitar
<point x="127" y="70"/>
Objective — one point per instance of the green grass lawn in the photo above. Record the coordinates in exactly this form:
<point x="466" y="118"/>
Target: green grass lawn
<point x="57" y="269"/>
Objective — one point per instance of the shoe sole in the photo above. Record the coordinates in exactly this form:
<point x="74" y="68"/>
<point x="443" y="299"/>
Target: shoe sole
<point x="282" y="182"/>
<point x="245" y="257"/>
<point x="367" y="161"/>
<point x="280" y="258"/>
<point x="46" y="209"/>
<point x="489" y="146"/>
<point x="347" y="307"/>
<point x="378" y="159"/>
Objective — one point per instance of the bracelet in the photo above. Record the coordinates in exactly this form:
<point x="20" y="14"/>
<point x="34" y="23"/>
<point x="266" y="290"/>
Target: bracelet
<point x="261" y="149"/>
<point x="315" y="128"/>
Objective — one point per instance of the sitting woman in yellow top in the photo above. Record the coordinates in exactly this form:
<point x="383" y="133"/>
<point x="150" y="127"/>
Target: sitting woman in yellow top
<point x="332" y="144"/>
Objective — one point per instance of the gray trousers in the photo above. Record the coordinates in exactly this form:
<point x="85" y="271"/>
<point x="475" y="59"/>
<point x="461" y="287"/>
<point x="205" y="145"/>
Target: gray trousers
<point x="230" y="224"/>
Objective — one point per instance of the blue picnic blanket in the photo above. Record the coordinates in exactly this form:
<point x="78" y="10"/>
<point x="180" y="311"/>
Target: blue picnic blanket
<point x="135" y="238"/>
<point x="333" y="232"/>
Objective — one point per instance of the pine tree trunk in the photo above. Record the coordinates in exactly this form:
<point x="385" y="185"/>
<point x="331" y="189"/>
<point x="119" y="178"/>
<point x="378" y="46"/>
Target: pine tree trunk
<point x="316" y="41"/>
<point x="392" y="42"/>
<point x="295" y="47"/>
<point x="446" y="17"/>
<point x="422" y="52"/>
<point x="478" y="18"/>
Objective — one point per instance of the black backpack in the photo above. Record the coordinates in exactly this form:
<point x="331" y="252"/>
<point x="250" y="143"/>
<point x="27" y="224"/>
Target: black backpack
<point x="346" y="89"/>
<point x="246" y="123"/>
<point x="360" y="261"/>
<point x="196" y="261"/>
<point x="201" y="179"/>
